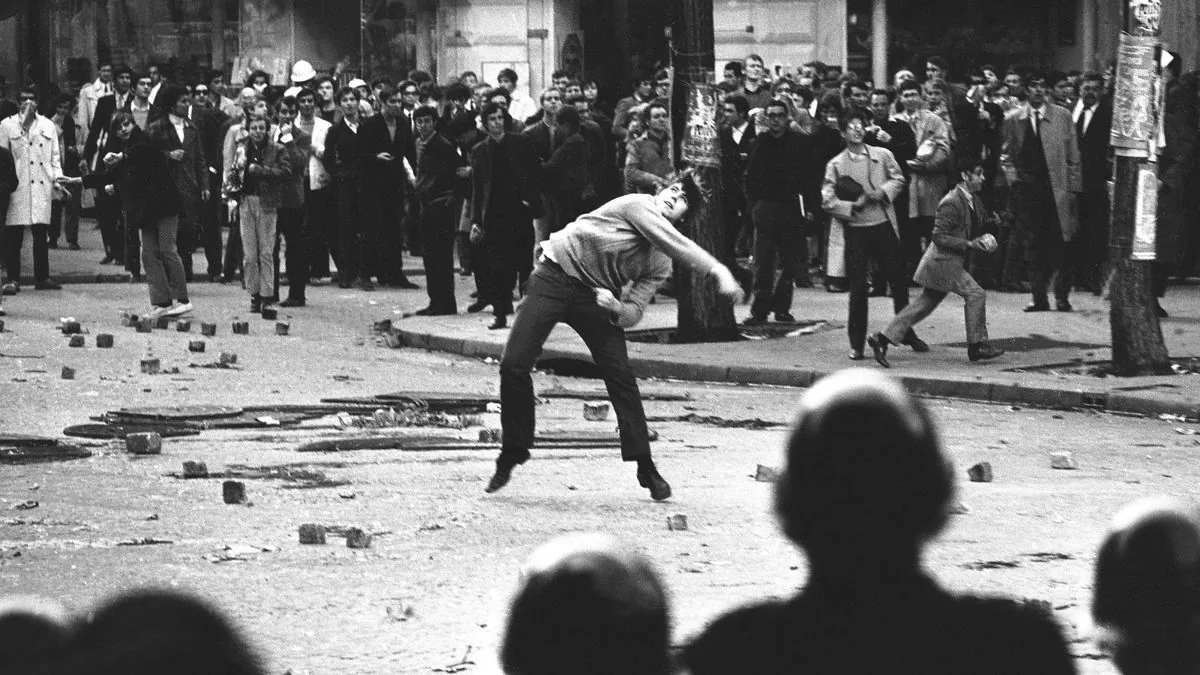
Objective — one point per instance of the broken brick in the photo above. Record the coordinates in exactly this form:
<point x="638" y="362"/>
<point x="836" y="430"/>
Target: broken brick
<point x="145" y="443"/>
<point x="234" y="492"/>
<point x="71" y="327"/>
<point x="228" y="358"/>
<point x="68" y="373"/>
<point x="151" y="366"/>
<point x="76" y="341"/>
<point x="145" y="325"/>
<point x="490" y="435"/>
<point x="184" y="326"/>
<point x="1063" y="460"/>
<point x="357" y="538"/>
<point x="104" y="341"/>
<point x="270" y="313"/>
<point x="241" y="327"/>
<point x="162" y="322"/>
<point x="195" y="470"/>
<point x="196" y="346"/>
<point x="312" y="533"/>
<point x="208" y="329"/>
<point x="130" y="320"/>
<point x="766" y="474"/>
<point x="677" y="522"/>
<point x="595" y="412"/>
<point x="282" y="327"/>
<point x="980" y="473"/>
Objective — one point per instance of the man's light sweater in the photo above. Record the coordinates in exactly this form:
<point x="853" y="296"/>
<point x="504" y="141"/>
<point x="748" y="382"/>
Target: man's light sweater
<point x="625" y="240"/>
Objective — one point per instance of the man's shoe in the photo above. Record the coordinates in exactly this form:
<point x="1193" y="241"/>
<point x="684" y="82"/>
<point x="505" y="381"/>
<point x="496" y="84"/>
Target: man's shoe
<point x="477" y="306"/>
<point x="11" y="288"/>
<point x="73" y="246"/>
<point x="857" y="355"/>
<point x="499" y="323"/>
<point x="505" y="463"/>
<point x="982" y="351"/>
<point x="405" y="284"/>
<point x="179" y="309"/>
<point x="648" y="477"/>
<point x="292" y="302"/>
<point x="1159" y="311"/>
<point x="879" y="346"/>
<point x="918" y="345"/>
<point x="1063" y="306"/>
<point x="155" y="312"/>
<point x="107" y="260"/>
<point x="785" y="317"/>
<point x="755" y="320"/>
<point x="366" y="284"/>
<point x="47" y="285"/>
<point x="256" y="304"/>
<point x="1037" y="307"/>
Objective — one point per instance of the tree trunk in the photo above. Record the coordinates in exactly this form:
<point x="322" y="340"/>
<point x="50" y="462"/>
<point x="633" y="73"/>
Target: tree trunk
<point x="1137" y="341"/>
<point x="703" y="315"/>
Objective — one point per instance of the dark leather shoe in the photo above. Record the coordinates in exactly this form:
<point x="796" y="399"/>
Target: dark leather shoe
<point x="498" y="323"/>
<point x="478" y="306"/>
<point x="755" y="320"/>
<point x="505" y="463"/>
<point x="659" y="488"/>
<point x="107" y="260"/>
<point x="1159" y="311"/>
<point x="1063" y="307"/>
<point x="879" y="346"/>
<point x="918" y="345"/>
<point x="982" y="351"/>
<point x="47" y="285"/>
<point x="1037" y="307"/>
<point x="857" y="355"/>
<point x="73" y="246"/>
<point x="785" y="317"/>
<point x="292" y="302"/>
<point x="405" y="284"/>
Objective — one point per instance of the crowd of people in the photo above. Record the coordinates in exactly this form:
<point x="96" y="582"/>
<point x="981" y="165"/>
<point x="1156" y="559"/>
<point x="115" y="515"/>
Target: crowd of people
<point x="866" y="484"/>
<point x="826" y="176"/>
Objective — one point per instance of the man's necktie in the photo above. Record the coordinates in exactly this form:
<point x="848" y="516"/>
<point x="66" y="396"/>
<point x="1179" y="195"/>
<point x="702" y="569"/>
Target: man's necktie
<point x="1080" y="129"/>
<point x="1037" y="123"/>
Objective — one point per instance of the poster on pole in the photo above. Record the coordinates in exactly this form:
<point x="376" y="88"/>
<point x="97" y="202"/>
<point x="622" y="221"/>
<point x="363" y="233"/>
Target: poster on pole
<point x="1135" y="96"/>
<point x="701" y="144"/>
<point x="1145" y="222"/>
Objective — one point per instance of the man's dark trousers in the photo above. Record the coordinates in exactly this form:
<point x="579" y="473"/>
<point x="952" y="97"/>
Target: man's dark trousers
<point x="863" y="244"/>
<point x="508" y="244"/>
<point x="437" y="245"/>
<point x="1044" y="246"/>
<point x="108" y="217"/>
<point x="553" y="296"/>
<point x="776" y="231"/>
<point x="293" y="229"/>
<point x="210" y="229"/>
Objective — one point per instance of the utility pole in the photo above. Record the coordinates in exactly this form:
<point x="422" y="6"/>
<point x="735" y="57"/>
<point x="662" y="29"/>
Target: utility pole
<point x="703" y="315"/>
<point x="1137" y="341"/>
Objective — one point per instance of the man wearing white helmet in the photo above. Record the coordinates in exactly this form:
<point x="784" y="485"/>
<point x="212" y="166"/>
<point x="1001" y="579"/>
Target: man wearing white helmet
<point x="303" y="74"/>
<point x="942" y="270"/>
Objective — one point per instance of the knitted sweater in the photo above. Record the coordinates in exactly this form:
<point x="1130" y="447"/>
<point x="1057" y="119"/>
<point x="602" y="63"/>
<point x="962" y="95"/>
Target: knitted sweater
<point x="625" y="240"/>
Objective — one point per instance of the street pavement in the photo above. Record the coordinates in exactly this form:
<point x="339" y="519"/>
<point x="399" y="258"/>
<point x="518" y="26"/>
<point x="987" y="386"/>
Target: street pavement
<point x="1046" y="365"/>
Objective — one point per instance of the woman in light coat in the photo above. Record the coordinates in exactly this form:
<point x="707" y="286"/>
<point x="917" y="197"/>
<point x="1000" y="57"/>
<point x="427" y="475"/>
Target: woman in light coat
<point x="33" y="141"/>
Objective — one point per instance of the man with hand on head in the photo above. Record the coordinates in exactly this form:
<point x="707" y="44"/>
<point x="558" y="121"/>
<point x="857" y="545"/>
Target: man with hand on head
<point x="579" y="280"/>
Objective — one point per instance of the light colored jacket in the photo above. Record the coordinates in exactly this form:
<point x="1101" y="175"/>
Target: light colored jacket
<point x="953" y="228"/>
<point x="1057" y="132"/>
<point x="318" y="177"/>
<point x="39" y="164"/>
<point x="89" y="96"/>
<point x="929" y="183"/>
<point x="885" y="175"/>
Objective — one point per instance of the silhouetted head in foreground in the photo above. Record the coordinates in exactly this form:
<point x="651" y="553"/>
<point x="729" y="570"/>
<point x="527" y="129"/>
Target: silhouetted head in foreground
<point x="33" y="634"/>
<point x="866" y="483"/>
<point x="154" y="632"/>
<point x="587" y="606"/>
<point x="1147" y="589"/>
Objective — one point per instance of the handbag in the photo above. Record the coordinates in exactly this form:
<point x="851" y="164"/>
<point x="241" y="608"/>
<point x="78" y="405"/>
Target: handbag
<point x="847" y="189"/>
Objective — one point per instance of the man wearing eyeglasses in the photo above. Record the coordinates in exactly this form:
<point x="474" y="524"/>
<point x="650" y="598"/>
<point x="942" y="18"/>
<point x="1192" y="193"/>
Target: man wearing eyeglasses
<point x="773" y="186"/>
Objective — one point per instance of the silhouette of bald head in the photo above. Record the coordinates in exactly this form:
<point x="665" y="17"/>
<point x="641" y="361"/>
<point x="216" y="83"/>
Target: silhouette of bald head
<point x="1147" y="587"/>
<point x="865" y="470"/>
<point x="587" y="606"/>
<point x="33" y="634"/>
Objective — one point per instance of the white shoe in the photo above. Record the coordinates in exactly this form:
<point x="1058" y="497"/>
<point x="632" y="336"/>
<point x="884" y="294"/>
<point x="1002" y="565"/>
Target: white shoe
<point x="179" y="309"/>
<point x="156" y="312"/>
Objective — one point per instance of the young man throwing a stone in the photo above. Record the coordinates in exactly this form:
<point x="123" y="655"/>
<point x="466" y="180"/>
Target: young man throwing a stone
<point x="579" y="280"/>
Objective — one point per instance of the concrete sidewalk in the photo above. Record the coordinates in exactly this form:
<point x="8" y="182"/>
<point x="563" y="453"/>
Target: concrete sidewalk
<point x="1032" y="341"/>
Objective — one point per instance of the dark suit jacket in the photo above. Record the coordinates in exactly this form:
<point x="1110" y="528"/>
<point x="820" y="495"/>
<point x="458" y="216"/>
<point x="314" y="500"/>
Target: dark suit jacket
<point x="733" y="160"/>
<point x="189" y="174"/>
<point x="903" y="144"/>
<point x="106" y="107"/>
<point x="538" y="144"/>
<point x="344" y="152"/>
<point x="143" y="180"/>
<point x="8" y="182"/>
<point x="437" y="170"/>
<point x="1094" y="163"/>
<point x="481" y="175"/>
<point x="386" y="179"/>
<point x="568" y="168"/>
